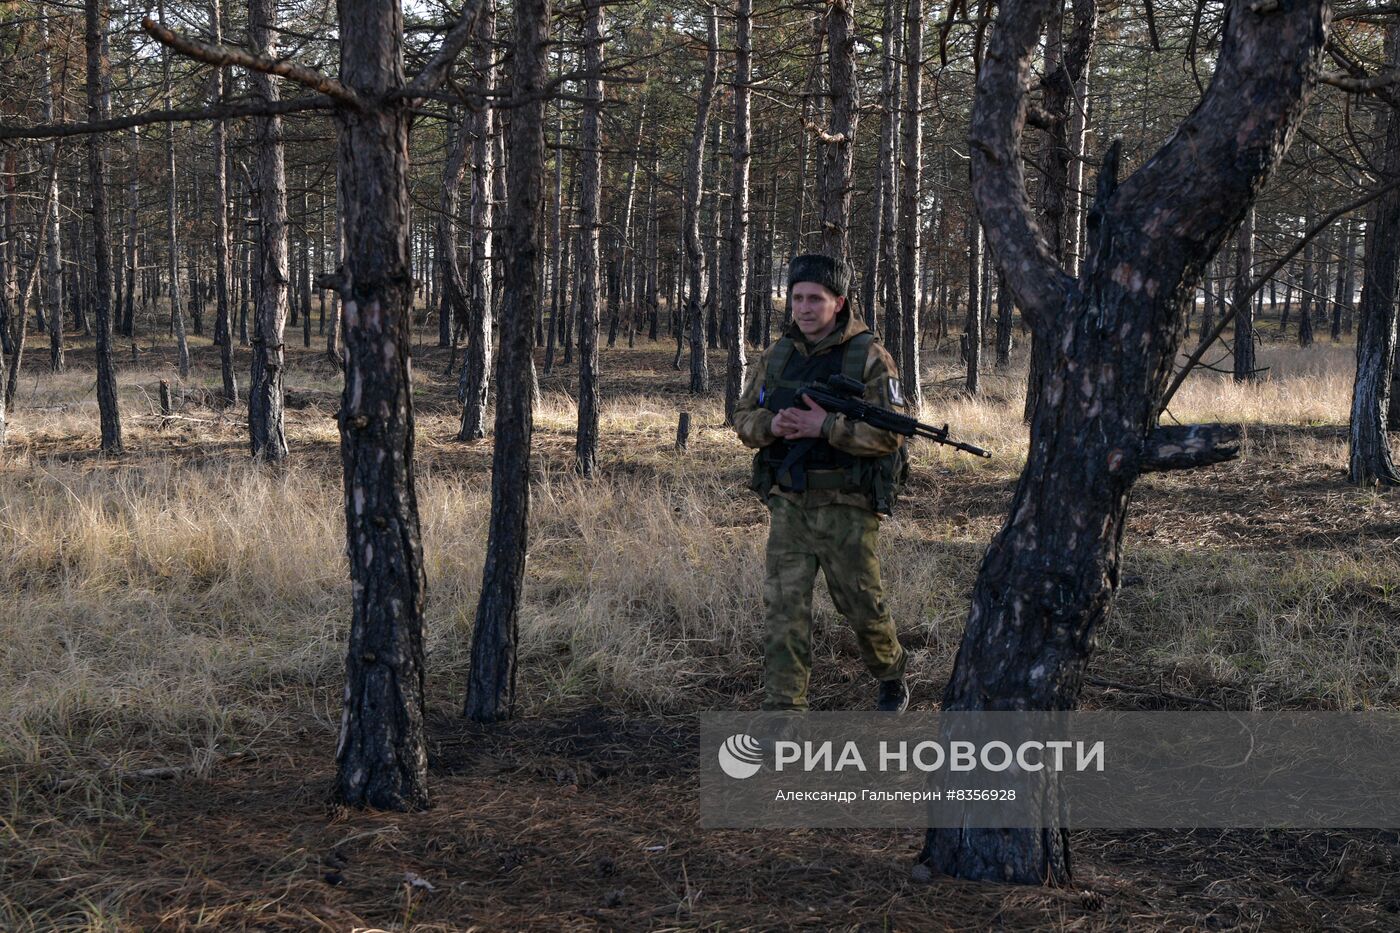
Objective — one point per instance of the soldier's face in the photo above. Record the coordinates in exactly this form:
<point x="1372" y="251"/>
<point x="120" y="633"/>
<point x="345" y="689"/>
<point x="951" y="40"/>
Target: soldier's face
<point x="814" y="308"/>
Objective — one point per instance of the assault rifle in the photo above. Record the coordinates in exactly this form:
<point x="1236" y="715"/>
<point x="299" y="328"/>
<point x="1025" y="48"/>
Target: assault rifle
<point x="844" y="394"/>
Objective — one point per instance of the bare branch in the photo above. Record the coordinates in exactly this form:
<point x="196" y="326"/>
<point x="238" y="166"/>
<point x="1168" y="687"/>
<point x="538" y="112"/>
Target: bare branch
<point x="221" y="55"/>
<point x="435" y="72"/>
<point x="258" y="109"/>
<point x="1355" y="85"/>
<point x="1259" y="283"/>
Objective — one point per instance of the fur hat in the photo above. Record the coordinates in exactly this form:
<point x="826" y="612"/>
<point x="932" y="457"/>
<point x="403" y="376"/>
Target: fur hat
<point x="815" y="267"/>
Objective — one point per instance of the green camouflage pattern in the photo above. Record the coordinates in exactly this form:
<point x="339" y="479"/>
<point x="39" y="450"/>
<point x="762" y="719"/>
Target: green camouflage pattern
<point x="752" y="422"/>
<point x="842" y="541"/>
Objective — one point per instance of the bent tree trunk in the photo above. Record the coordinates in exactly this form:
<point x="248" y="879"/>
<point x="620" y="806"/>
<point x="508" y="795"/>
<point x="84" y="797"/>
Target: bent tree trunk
<point x="1049" y="576"/>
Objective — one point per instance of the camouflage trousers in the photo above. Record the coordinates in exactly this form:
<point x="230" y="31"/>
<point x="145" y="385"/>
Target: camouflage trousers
<point x="841" y="541"/>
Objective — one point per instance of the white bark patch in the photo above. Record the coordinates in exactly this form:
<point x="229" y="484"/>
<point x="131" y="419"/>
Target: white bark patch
<point x="1128" y="277"/>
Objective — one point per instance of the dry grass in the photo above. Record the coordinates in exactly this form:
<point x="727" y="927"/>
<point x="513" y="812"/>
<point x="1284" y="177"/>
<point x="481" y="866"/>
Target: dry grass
<point x="182" y="607"/>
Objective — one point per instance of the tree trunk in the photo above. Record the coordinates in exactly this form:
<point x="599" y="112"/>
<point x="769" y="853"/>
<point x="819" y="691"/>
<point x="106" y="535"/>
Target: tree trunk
<point x="889" y="220"/>
<point x="95" y="15"/>
<point x="1048" y="578"/>
<point x="737" y="270"/>
<point x="476" y="370"/>
<point x="177" y="313"/>
<point x="909" y="204"/>
<point x="304" y="266"/>
<point x="1342" y="299"/>
<point x="133" y="236"/>
<point x="884" y="173"/>
<point x="973" y="328"/>
<point x="1006" y="307"/>
<point x="381" y="758"/>
<point x="653" y="257"/>
<point x="336" y="327"/>
<point x="1370" y="462"/>
<point x="713" y="253"/>
<point x="1305" y="314"/>
<point x="265" y="391"/>
<point x="1245" y="369"/>
<point x="53" y="254"/>
<point x="589" y="218"/>
<point x="622" y="247"/>
<point x="451" y="299"/>
<point x="560" y="245"/>
<point x="491" y="689"/>
<point x="223" y="323"/>
<point x="695" y="256"/>
<point x="1066" y="65"/>
<point x="839" y="148"/>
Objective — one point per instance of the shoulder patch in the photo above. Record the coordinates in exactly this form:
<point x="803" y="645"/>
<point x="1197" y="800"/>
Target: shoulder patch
<point x="896" y="395"/>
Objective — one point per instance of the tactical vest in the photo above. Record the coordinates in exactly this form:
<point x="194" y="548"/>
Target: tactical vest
<point x="812" y="463"/>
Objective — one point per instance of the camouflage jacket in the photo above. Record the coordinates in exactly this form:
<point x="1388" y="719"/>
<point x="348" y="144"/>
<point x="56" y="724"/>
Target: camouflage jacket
<point x="752" y="422"/>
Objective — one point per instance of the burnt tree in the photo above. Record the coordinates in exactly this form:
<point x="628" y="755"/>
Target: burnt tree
<point x="1370" y="461"/>
<point x="589" y="220"/>
<point x="1048" y="578"/>
<point x="491" y="687"/>
<point x="95" y="18"/>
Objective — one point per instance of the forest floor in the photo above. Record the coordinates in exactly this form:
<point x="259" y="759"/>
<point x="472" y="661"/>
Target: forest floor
<point x="173" y="640"/>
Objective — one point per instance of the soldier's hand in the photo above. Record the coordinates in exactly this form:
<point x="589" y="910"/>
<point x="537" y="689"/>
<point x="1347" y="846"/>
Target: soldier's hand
<point x="793" y="423"/>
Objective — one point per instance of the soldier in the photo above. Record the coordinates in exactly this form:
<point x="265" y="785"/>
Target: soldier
<point x="826" y="479"/>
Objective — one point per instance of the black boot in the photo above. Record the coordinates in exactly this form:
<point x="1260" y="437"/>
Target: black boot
<point x="893" y="697"/>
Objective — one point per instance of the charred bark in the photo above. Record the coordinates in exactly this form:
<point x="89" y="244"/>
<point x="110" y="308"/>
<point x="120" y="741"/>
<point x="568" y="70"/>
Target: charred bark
<point x="1048" y="579"/>
<point x="838" y="150"/>
<point x="491" y="689"/>
<point x="1370" y="461"/>
<point x="381" y="759"/>
<point x="95" y="15"/>
<point x="590" y="194"/>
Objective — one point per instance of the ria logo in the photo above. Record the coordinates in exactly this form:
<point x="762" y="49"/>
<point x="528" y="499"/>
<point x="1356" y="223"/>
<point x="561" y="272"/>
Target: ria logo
<point x="740" y="756"/>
